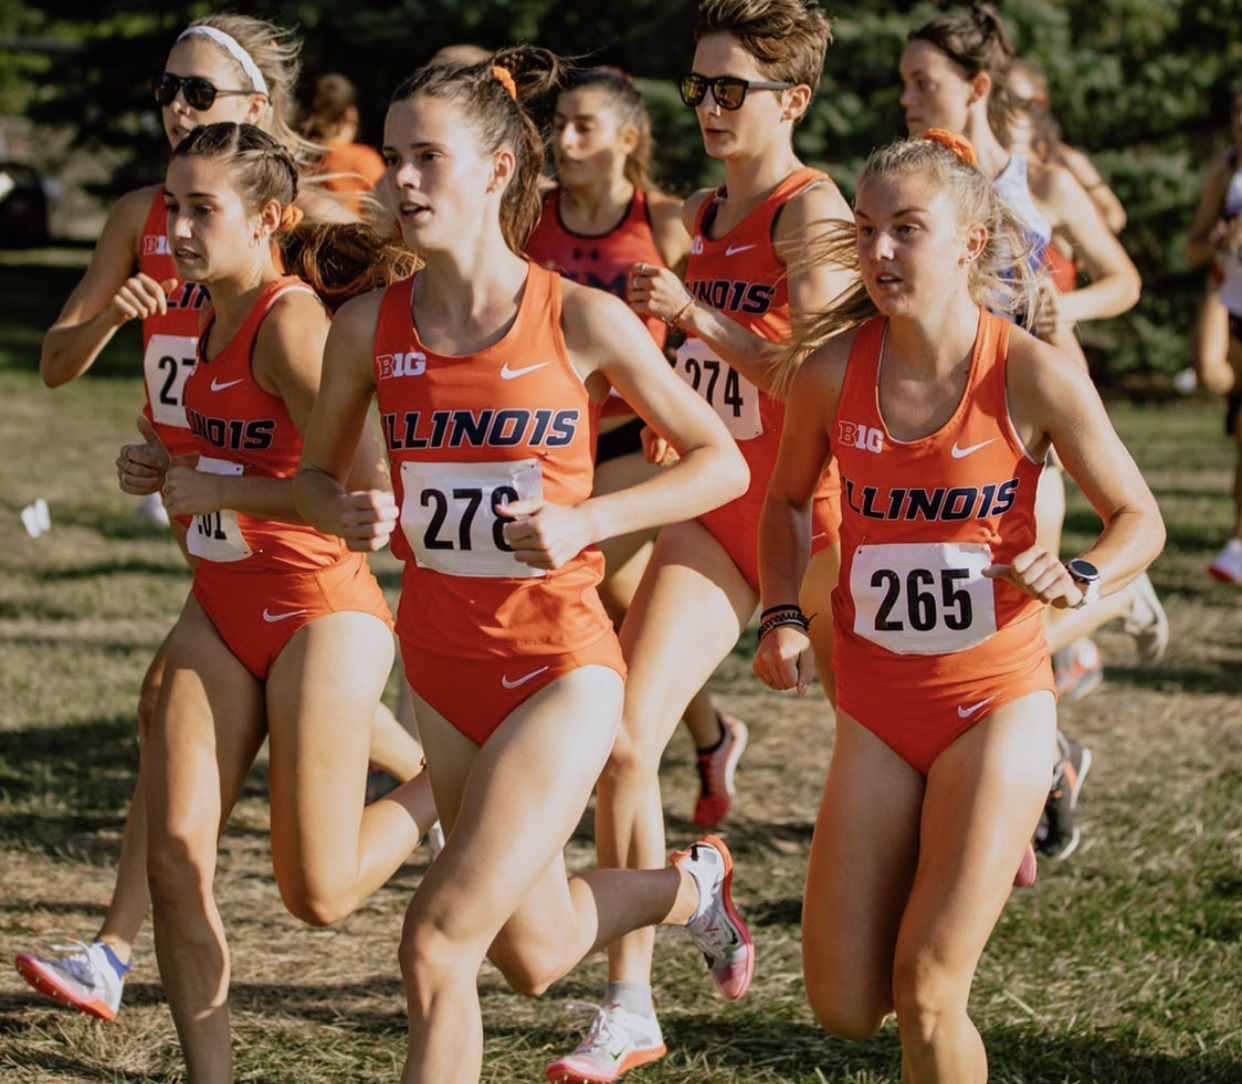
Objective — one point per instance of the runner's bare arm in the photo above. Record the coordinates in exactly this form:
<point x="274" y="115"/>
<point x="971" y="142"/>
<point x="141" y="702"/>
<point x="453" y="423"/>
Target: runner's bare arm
<point x="784" y="658"/>
<point x="1115" y="285"/>
<point x="756" y="358"/>
<point x="1201" y="241"/>
<point x="1054" y="402"/>
<point x="109" y="294"/>
<point x="363" y="517"/>
<point x="604" y="337"/>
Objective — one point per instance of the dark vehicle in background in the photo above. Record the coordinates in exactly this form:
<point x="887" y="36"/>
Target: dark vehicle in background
<point x="23" y="206"/>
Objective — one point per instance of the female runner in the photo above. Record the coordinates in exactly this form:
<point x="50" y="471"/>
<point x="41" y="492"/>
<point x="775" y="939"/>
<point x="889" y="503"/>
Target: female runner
<point x="1216" y="236"/>
<point x="286" y="634"/>
<point x="605" y="215"/>
<point x="945" y="709"/>
<point x="955" y="72"/>
<point x="222" y="68"/>
<point x="755" y="70"/>
<point x="486" y="368"/>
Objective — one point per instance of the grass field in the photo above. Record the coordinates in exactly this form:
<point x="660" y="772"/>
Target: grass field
<point x="1121" y="966"/>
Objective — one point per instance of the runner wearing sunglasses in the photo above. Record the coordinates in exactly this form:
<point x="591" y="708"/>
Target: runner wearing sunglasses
<point x="743" y="286"/>
<point x="132" y="276"/>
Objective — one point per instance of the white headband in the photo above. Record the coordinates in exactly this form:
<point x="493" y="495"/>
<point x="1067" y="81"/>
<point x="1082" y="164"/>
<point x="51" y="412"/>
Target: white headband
<point x="235" y="51"/>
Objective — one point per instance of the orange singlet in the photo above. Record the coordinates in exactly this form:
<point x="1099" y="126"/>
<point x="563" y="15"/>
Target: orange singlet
<point x="169" y="342"/>
<point x="603" y="260"/>
<point x="258" y="580"/>
<point x="753" y="291"/>
<point x="480" y="631"/>
<point x="924" y="645"/>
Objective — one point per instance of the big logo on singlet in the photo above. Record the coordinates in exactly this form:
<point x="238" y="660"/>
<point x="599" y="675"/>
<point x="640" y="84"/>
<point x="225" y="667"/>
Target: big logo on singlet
<point x="236" y="434"/>
<point x="944" y="504"/>
<point x="508" y="428"/>
<point x="733" y="295"/>
<point x="388" y="366"/>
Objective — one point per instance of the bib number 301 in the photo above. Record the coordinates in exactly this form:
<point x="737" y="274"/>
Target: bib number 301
<point x="216" y="536"/>
<point x="449" y="515"/>
<point x="167" y="364"/>
<point x="926" y="598"/>
<point x="728" y="393"/>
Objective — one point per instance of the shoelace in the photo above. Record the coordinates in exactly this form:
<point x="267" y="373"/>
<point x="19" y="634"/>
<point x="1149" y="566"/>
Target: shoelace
<point x="75" y="957"/>
<point x="601" y="1035"/>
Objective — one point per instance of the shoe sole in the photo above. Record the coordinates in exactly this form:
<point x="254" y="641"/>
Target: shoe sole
<point x="726" y="895"/>
<point x="32" y="972"/>
<point x="559" y="1074"/>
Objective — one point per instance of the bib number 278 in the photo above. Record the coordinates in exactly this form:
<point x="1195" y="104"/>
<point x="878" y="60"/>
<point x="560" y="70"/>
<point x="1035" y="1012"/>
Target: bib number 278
<point x="449" y="517"/>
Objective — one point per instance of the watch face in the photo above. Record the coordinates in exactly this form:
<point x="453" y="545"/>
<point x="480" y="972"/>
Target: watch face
<point x="1083" y="570"/>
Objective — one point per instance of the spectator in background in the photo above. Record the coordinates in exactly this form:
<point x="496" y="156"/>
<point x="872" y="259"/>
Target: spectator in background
<point x="333" y="122"/>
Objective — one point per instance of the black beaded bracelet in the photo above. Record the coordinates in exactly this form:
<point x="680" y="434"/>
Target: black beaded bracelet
<point x="789" y="619"/>
<point x="792" y="606"/>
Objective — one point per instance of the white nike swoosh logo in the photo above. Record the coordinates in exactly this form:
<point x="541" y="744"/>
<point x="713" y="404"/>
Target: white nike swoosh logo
<point x="822" y="534"/>
<point x="522" y="680"/>
<point x="511" y="374"/>
<point x="272" y="618"/>
<point x="961" y="453"/>
<point x="733" y="250"/>
<point x="972" y="708"/>
<point x="217" y="386"/>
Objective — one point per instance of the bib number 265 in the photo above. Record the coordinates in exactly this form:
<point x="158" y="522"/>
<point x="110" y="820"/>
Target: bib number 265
<point x="925" y="598"/>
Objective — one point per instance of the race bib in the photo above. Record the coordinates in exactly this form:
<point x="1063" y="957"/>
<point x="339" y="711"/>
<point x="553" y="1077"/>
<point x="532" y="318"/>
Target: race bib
<point x="167" y="363"/>
<point x="923" y="598"/>
<point x="449" y="515"/>
<point x="216" y="536"/>
<point x="727" y="392"/>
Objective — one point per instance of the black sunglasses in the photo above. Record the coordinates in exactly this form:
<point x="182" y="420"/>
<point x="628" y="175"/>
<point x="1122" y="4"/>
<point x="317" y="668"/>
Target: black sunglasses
<point x="200" y="93"/>
<point x="728" y="90"/>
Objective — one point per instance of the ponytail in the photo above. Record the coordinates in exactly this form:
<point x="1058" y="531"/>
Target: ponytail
<point x="339" y="260"/>
<point x="502" y="117"/>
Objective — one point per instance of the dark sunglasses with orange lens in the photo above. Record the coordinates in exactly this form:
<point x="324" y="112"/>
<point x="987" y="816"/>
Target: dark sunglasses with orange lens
<point x="200" y="93"/>
<point x="728" y="90"/>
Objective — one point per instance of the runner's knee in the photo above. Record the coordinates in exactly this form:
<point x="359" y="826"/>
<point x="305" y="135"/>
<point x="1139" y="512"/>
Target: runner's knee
<point x="925" y="994"/>
<point x="844" y="1009"/>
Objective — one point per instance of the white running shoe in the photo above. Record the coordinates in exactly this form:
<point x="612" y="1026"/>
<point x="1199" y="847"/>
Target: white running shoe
<point x="1146" y="621"/>
<point x="1228" y="564"/>
<point x="717" y="927"/>
<point x="617" y="1042"/>
<point x="82" y="976"/>
<point x="151" y="510"/>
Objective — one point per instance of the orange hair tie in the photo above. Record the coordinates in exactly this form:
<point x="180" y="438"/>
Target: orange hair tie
<point x="290" y="217"/>
<point x="959" y="145"/>
<point x="505" y="78"/>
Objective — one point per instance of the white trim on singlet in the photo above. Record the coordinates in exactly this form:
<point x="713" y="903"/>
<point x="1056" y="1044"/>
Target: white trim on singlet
<point x="1012" y="186"/>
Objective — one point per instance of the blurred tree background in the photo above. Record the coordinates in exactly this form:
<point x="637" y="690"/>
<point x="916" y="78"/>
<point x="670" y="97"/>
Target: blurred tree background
<point x="1142" y="85"/>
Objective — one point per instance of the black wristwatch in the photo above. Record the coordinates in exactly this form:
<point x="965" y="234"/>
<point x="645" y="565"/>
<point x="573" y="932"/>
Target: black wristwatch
<point x="1087" y="576"/>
